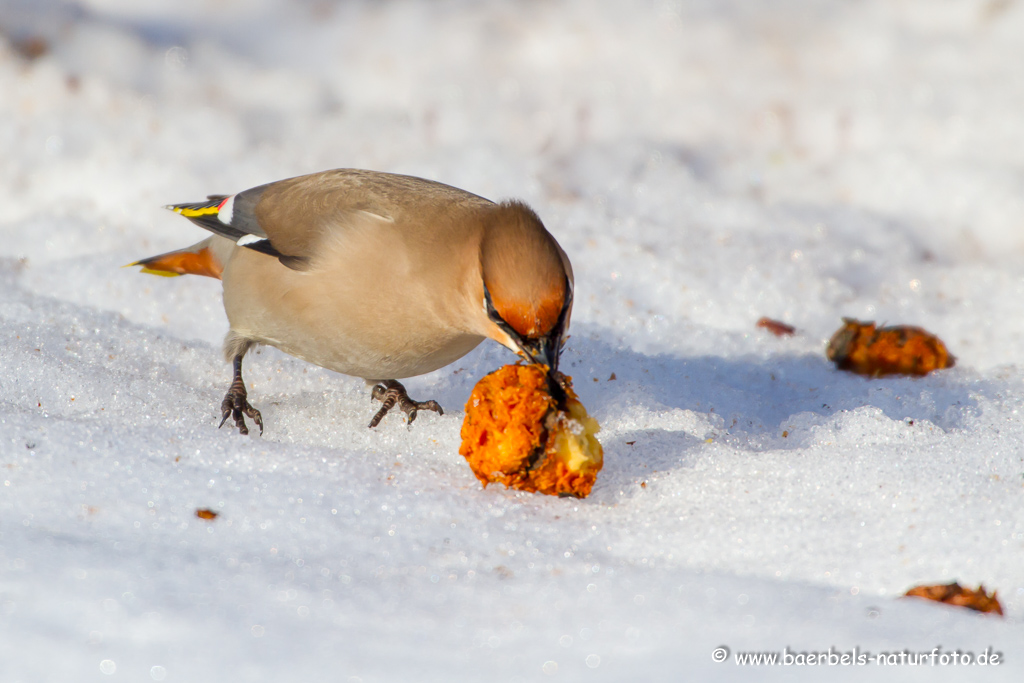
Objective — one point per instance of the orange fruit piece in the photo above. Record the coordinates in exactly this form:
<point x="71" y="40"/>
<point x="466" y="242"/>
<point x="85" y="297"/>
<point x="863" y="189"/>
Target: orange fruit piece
<point x="518" y="434"/>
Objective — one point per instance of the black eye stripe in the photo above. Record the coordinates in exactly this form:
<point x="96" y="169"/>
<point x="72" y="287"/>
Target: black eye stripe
<point x="563" y="316"/>
<point x="495" y="317"/>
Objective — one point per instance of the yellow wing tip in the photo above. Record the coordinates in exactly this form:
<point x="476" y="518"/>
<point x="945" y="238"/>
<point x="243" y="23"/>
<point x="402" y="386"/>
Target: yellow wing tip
<point x="189" y="212"/>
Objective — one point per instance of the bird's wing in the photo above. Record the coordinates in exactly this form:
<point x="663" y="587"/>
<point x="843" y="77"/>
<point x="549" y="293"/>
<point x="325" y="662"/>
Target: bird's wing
<point x="289" y="218"/>
<point x="231" y="217"/>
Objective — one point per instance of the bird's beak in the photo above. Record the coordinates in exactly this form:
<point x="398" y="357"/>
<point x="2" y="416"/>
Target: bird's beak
<point x="543" y="351"/>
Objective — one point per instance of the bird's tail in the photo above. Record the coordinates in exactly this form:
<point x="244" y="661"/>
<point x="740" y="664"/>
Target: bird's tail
<point x="199" y="259"/>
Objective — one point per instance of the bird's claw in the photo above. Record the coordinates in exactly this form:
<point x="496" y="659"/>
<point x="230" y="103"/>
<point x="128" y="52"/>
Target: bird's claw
<point x="391" y="393"/>
<point x="236" y="405"/>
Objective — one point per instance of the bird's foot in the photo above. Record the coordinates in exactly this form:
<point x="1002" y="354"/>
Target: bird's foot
<point x="236" y="405"/>
<point x="391" y="393"/>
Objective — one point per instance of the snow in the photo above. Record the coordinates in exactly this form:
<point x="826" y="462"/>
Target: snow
<point x="703" y="164"/>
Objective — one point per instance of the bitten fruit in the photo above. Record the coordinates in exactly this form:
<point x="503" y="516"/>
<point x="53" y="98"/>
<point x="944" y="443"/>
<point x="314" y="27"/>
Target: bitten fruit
<point x="518" y="434"/>
<point x="899" y="350"/>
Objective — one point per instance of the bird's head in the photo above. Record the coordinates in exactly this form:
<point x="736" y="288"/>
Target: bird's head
<point x="528" y="284"/>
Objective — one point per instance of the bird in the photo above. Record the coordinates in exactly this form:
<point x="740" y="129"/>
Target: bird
<point x="375" y="275"/>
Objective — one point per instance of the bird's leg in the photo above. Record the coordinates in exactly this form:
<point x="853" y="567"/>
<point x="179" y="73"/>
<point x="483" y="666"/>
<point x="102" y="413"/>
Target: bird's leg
<point x="235" y="404"/>
<point x="390" y="392"/>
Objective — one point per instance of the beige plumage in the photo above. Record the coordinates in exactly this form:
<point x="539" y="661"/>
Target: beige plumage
<point x="376" y="275"/>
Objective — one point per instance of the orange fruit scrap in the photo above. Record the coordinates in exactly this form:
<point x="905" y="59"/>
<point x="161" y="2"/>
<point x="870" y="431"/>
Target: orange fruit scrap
<point x="955" y="594"/>
<point x="776" y="327"/>
<point x="517" y="434"/>
<point x="206" y="513"/>
<point x="899" y="350"/>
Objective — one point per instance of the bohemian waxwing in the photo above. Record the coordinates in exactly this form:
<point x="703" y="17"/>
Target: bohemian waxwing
<point x="376" y="275"/>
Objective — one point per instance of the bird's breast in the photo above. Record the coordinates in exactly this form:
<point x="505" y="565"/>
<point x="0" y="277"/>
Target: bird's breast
<point x="376" y="314"/>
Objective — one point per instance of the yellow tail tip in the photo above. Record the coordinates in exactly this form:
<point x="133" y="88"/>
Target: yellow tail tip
<point x="150" y="271"/>
<point x="161" y="273"/>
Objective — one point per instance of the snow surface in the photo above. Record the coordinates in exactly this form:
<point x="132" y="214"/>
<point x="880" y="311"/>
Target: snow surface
<point x="703" y="163"/>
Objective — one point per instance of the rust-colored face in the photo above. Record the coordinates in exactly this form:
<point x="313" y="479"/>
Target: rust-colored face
<point x="523" y="272"/>
<point x="532" y="319"/>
